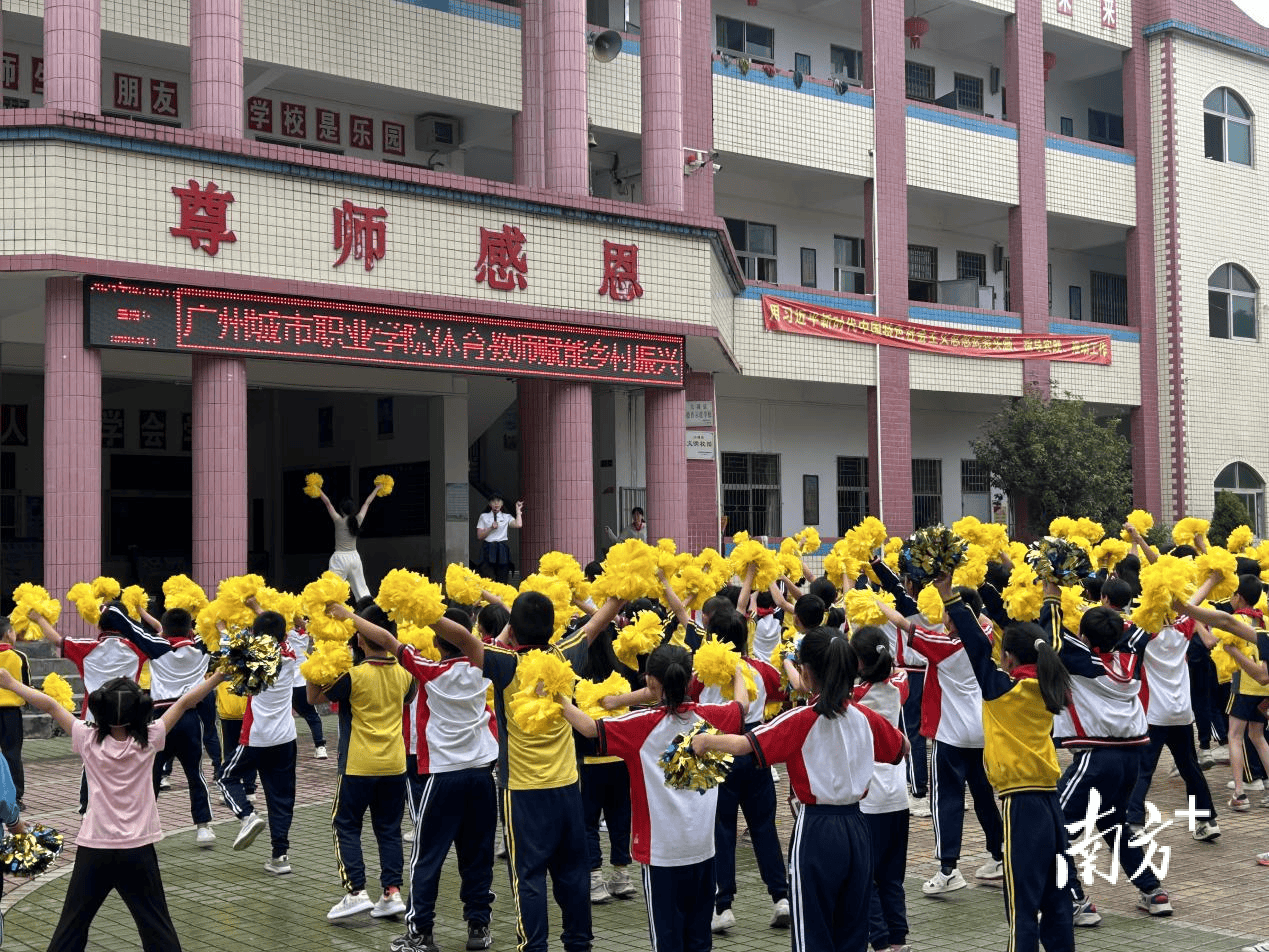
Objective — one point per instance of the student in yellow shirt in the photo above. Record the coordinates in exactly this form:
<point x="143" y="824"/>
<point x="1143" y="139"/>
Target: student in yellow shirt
<point x="13" y="661"/>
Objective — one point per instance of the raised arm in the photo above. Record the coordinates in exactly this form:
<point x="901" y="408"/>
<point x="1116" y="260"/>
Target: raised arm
<point x="894" y="617"/>
<point x="746" y="587"/>
<point x="462" y="639"/>
<point x="778" y="596"/>
<point x="602" y="618"/>
<point x="189" y="699"/>
<point x="1138" y="542"/>
<point x="673" y="601"/>
<point x="990" y="678"/>
<point x="379" y="637"/>
<point x="1215" y="618"/>
<point x="518" y="521"/>
<point x="365" y="506"/>
<point x="38" y="700"/>
<point x="51" y="634"/>
<point x="329" y="508"/>
<point x="735" y="744"/>
<point x="890" y="582"/>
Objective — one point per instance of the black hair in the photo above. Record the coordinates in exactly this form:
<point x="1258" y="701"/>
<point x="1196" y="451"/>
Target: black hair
<point x="592" y="571"/>
<point x="532" y="619"/>
<point x="997" y="575"/>
<point x="824" y="589"/>
<point x="1102" y="627"/>
<point x="348" y="509"/>
<point x="5" y="625"/>
<point x="1093" y="587"/>
<point x="1250" y="589"/>
<point x="638" y="509"/>
<point x="672" y="666"/>
<point x="1129" y="563"/>
<point x="1029" y="644"/>
<point x="872" y="649"/>
<point x="717" y="604"/>
<point x="492" y="619"/>
<point x="835" y="617"/>
<point x="1183" y="552"/>
<point x="459" y="617"/>
<point x="121" y="702"/>
<point x="1246" y="566"/>
<point x="1117" y="592"/>
<point x="832" y="661"/>
<point x="731" y="593"/>
<point x="377" y="616"/>
<point x="636" y="605"/>
<point x="971" y="598"/>
<point x="765" y="600"/>
<point x="177" y="623"/>
<point x="809" y="610"/>
<point x="732" y="628"/>
<point x="271" y="624"/>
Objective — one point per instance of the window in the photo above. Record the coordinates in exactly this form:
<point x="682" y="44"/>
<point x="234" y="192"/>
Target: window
<point x="755" y="246"/>
<point x="1245" y="483"/>
<point x="971" y="265"/>
<point x="1231" y="303"/>
<point x="1105" y="127"/>
<point x="975" y="490"/>
<point x="1109" y="293"/>
<point x="1226" y="127"/>
<point x="920" y="82"/>
<point x="746" y="39"/>
<point x="802" y="63"/>
<point x="751" y="493"/>
<point x="847" y="63"/>
<point x="848" y="264"/>
<point x="923" y="273"/>
<point x="808" y="268"/>
<point x="597" y="13"/>
<point x="852" y="492"/>
<point x="1008" y="284"/>
<point x="1067" y="125"/>
<point x="969" y="93"/>
<point x="927" y="492"/>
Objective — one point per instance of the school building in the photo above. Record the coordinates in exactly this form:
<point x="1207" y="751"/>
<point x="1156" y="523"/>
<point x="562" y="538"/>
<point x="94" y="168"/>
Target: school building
<point x="748" y="264"/>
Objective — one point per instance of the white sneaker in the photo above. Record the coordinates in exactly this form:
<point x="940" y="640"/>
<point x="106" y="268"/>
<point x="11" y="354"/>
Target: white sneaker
<point x="165" y="782"/>
<point x="1254" y="785"/>
<point x="918" y="806"/>
<point x="320" y="753"/>
<point x="205" y="837"/>
<point x="992" y="869"/>
<point x="1085" y="914"/>
<point x="1258" y="947"/>
<point x="1221" y="754"/>
<point x="1206" y="760"/>
<point x="278" y="866"/>
<point x="251" y="827"/>
<point x="942" y="882"/>
<point x="722" y="921"/>
<point x="389" y="904"/>
<point x="352" y="904"/>
<point x="780" y="915"/>
<point x="619" y="884"/>
<point x="598" y="888"/>
<point x="1174" y="771"/>
<point x="1206" y="831"/>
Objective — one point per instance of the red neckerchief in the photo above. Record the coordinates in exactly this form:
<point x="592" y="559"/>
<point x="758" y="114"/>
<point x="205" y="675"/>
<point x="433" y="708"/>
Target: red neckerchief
<point x="1024" y="671"/>
<point x="1255" y="613"/>
<point x="5" y="646"/>
<point x="764" y="612"/>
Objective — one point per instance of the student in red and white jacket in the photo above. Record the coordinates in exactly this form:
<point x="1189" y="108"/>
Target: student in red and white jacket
<point x="830" y="748"/>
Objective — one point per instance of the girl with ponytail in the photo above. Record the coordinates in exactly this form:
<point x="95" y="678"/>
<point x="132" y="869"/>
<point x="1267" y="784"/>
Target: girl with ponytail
<point x="830" y="854"/>
<point x="1019" y="700"/>
<point x="677" y="853"/>
<point x="883" y="688"/>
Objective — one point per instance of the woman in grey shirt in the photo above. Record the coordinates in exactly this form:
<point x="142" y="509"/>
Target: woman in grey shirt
<point x="344" y="561"/>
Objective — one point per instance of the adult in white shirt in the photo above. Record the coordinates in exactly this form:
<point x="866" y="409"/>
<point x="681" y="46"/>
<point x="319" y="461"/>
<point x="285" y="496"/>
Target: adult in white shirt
<point x="491" y="530"/>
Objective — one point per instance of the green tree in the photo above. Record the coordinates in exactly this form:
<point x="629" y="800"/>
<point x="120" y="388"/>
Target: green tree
<point x="1059" y="459"/>
<point x="1228" y="515"/>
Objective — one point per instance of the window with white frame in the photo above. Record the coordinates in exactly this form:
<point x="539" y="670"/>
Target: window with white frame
<point x="927" y="492"/>
<point x="1231" y="303"/>
<point x="1245" y="483"/>
<point x="751" y="493"/>
<point x="920" y="82"/>
<point x="852" y="492"/>
<point x="975" y="490"/>
<point x="848" y="264"/>
<point x="746" y="39"/>
<point x="969" y="92"/>
<point x="1109" y="293"/>
<point x="1226" y="127"/>
<point x="755" y="245"/>
<point x="971" y="266"/>
<point x="846" y="63"/>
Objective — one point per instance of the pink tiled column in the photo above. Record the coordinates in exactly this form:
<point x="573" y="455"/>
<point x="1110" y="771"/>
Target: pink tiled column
<point x="698" y="104"/>
<point x="703" y="509"/>
<point x="564" y="70"/>
<point x="1028" y="220"/>
<point x="72" y="441"/>
<point x="661" y="77"/>
<point x="535" y="469"/>
<point x="72" y="55"/>
<point x="886" y="208"/>
<point x="527" y="127"/>
<point x="665" y="439"/>
<point x="215" y="52"/>
<point x="220" y="469"/>
<point x="572" y="477"/>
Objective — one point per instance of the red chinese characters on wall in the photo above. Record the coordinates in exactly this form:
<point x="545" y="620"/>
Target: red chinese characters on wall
<point x="204" y="216"/>
<point x="503" y="263"/>
<point x="1066" y="7"/>
<point x="260" y="114"/>
<point x="11" y="63"/>
<point x="361" y="132"/>
<point x="163" y="98"/>
<point x="328" y="126"/>
<point x="621" y="272"/>
<point x="360" y="232"/>
<point x="127" y="92"/>
<point x="393" y="138"/>
<point x="1110" y="15"/>
<point x="294" y="120"/>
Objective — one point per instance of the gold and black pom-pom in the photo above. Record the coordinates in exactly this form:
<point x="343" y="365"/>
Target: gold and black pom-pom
<point x="687" y="770"/>
<point x="1059" y="561"/>
<point x="30" y="853"/>
<point x="249" y="662"/>
<point x="932" y="552"/>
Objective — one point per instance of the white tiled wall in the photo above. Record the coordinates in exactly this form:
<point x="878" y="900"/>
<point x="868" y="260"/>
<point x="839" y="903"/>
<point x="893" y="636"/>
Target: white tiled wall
<point x="961" y="161"/>
<point x="1087" y="18"/>
<point x="1085" y="187"/>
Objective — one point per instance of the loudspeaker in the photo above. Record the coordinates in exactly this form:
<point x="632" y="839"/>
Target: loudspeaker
<point x="606" y="46"/>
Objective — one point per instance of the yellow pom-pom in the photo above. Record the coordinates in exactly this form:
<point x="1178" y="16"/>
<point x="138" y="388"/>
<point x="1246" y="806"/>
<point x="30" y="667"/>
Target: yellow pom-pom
<point x="327" y="663"/>
<point x="930" y="604"/>
<point x="1185" y="531"/>
<point x="180" y="591"/>
<point x="59" y="689"/>
<point x="589" y="694"/>
<point x="384" y="485"/>
<point x="973" y="571"/>
<point x="1217" y="559"/>
<point x="560" y="594"/>
<point x="1063" y="527"/>
<point x="629" y="572"/>
<point x="1140" y="520"/>
<point x="314" y="599"/>
<point x="1090" y="530"/>
<point x="205" y="625"/>
<point x="1162" y="581"/>
<point x="747" y="552"/>
<point x="462" y="584"/>
<point x="699" y="580"/>
<point x="1023" y="596"/>
<point x="638" y="638"/>
<point x="504" y="593"/>
<point x="563" y="566"/>
<point x="85" y="601"/>
<point x="408" y="596"/>
<point x="143" y="679"/>
<point x="1073" y="606"/>
<point x="1109" y="552"/>
<point x="715" y="664"/>
<point x="285" y="604"/>
<point x="422" y="638"/>
<point x="29" y="597"/>
<point x="135" y="600"/>
<point x="1226" y="666"/>
<point x="541" y="677"/>
<point x="106" y="589"/>
<point x="1239" y="540"/>
<point x="789" y="560"/>
<point x="313" y="485"/>
<point x="861" y="607"/>
<point x="808" y="540"/>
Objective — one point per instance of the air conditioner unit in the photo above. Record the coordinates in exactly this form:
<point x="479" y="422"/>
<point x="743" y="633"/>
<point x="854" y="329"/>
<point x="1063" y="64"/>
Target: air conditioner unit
<point x="436" y="133"/>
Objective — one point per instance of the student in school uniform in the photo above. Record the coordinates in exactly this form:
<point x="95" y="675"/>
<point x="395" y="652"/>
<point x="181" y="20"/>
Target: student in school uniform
<point x="15" y="662"/>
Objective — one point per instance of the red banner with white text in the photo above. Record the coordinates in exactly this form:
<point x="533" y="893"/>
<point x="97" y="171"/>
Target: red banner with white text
<point x="794" y="317"/>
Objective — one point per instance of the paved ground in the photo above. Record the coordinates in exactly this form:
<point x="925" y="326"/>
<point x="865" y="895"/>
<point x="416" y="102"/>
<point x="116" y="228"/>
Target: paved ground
<point x="224" y="901"/>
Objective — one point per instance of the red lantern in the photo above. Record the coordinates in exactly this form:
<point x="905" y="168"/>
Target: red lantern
<point x="914" y="28"/>
<point x="1050" y="60"/>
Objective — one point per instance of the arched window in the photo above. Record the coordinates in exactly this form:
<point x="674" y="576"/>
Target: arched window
<point x="1231" y="303"/>
<point x="1245" y="483"/>
<point x="1226" y="127"/>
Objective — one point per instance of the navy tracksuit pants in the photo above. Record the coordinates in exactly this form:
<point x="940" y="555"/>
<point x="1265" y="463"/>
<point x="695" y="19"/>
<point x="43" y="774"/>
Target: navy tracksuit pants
<point x="830" y="868"/>
<point x="606" y="791"/>
<point x="1112" y="772"/>
<point x="954" y="769"/>
<point x="888" y="907"/>
<point x="276" y="769"/>
<point x="918" y="766"/>
<point x="751" y="789"/>
<point x="384" y="797"/>
<point x="1034" y="835"/>
<point x="679" y="907"/>
<point x="458" y="808"/>
<point x="545" y="834"/>
<point x="185" y="744"/>
<point x="1180" y="741"/>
